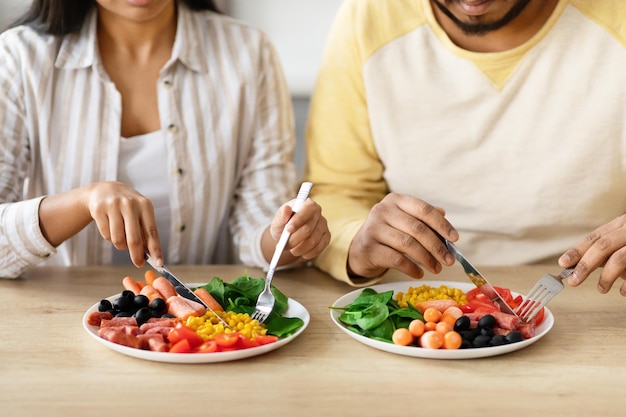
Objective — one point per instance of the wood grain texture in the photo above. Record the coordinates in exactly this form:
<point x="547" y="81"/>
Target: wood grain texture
<point x="49" y="365"/>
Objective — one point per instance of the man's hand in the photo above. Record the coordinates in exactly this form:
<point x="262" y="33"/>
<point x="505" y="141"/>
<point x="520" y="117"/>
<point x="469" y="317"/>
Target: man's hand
<point x="398" y="234"/>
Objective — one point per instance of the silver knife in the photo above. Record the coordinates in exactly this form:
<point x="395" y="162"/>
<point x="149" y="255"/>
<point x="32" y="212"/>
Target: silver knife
<point x="477" y="278"/>
<point x="182" y="289"/>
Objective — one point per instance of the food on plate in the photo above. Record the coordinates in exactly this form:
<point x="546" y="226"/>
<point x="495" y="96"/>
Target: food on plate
<point x="451" y="319"/>
<point x="151" y="315"/>
<point x="415" y="295"/>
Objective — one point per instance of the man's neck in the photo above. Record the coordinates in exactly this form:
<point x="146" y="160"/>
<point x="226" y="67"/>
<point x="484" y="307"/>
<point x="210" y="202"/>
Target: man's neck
<point x="515" y="33"/>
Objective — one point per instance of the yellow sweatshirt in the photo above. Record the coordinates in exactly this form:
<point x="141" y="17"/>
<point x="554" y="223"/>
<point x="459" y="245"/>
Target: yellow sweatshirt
<point x="524" y="149"/>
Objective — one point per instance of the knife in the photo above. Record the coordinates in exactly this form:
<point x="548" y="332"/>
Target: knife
<point x="182" y="289"/>
<point x="477" y="278"/>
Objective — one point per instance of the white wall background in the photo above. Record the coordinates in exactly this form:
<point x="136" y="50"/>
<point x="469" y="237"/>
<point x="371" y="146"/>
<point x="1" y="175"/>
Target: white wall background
<point x="10" y="9"/>
<point x="298" y="29"/>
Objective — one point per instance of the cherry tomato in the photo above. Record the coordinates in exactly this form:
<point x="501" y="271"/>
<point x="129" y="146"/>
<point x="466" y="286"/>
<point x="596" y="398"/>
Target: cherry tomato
<point x="466" y="308"/>
<point x="226" y="340"/>
<point x="432" y="315"/>
<point x="429" y="325"/>
<point x="516" y="302"/>
<point x="182" y="332"/>
<point x="265" y="339"/>
<point x="448" y="318"/>
<point x="181" y="346"/>
<point x="245" y="343"/>
<point x="443" y="327"/>
<point x="504" y="293"/>
<point x="452" y="340"/>
<point x="539" y="317"/>
<point x="402" y="337"/>
<point x="207" y="347"/>
<point x="416" y="327"/>
<point x="431" y="340"/>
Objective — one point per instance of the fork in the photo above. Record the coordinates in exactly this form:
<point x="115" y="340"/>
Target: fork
<point x="266" y="300"/>
<point x="544" y="290"/>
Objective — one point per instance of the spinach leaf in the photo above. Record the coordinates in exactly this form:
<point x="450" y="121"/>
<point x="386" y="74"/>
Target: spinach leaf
<point x="366" y="316"/>
<point x="382" y="332"/>
<point x="376" y="315"/>
<point x="369" y="296"/>
<point x="283" y="326"/>
<point x="240" y="296"/>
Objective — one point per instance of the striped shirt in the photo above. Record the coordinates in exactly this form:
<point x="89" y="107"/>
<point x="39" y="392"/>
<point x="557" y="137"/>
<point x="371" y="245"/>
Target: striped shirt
<point x="224" y="108"/>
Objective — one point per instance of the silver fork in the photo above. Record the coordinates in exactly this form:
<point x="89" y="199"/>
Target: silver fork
<point x="266" y="300"/>
<point x="544" y="290"/>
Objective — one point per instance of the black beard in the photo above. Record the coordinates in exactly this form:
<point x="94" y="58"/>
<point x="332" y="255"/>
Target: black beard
<point x="483" y="28"/>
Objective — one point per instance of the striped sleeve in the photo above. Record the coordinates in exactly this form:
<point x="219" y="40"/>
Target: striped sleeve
<point x="269" y="175"/>
<point x="22" y="244"/>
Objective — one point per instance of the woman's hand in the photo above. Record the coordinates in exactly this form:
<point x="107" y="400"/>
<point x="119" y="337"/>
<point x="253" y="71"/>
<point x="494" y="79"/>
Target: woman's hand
<point x="308" y="228"/>
<point x="126" y="219"/>
<point x="123" y="216"/>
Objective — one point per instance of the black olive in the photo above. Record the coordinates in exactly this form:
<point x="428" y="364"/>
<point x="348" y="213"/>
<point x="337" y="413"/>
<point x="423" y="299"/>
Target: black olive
<point x="143" y="315"/>
<point x="514" y="336"/>
<point x="140" y="301"/>
<point x="487" y="321"/>
<point x="467" y="335"/>
<point x="498" y="340"/>
<point x="486" y="331"/>
<point x="105" y="305"/>
<point x="466" y="344"/>
<point x="168" y="316"/>
<point x="123" y="314"/>
<point x="481" y="341"/>
<point x="122" y="304"/>
<point x="158" y="306"/>
<point x="128" y="294"/>
<point x="462" y="323"/>
<point x="474" y="332"/>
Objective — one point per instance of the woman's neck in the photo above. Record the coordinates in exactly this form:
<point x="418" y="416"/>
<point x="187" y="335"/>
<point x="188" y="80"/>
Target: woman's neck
<point x="138" y="40"/>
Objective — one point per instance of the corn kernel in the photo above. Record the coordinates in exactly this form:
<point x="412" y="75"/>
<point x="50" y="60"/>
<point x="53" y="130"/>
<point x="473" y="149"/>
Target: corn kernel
<point x="426" y="293"/>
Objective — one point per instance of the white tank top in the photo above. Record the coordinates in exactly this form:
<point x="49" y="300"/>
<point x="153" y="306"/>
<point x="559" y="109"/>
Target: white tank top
<point x="143" y="166"/>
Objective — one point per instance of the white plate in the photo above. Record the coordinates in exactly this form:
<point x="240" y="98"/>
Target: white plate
<point x="294" y="309"/>
<point x="419" y="352"/>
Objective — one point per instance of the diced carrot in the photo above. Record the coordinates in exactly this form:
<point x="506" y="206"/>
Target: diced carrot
<point x="151" y="292"/>
<point x="165" y="287"/>
<point x="178" y="306"/>
<point x="130" y="284"/>
<point x="149" y="276"/>
<point x="208" y="299"/>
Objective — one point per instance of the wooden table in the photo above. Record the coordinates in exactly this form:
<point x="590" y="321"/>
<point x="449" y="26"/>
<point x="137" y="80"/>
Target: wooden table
<point x="49" y="365"/>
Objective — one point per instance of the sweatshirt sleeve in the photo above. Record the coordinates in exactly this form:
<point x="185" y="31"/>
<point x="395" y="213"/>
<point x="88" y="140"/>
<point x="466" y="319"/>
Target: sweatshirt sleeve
<point x="342" y="160"/>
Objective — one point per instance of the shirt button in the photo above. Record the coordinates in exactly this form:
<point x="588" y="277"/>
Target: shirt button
<point x="180" y="171"/>
<point x="181" y="228"/>
<point x="172" y="128"/>
<point x="167" y="83"/>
